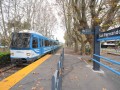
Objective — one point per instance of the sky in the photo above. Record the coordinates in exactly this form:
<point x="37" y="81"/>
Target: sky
<point x="59" y="34"/>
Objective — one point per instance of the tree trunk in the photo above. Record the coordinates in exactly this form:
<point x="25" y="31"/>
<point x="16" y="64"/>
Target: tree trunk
<point x="75" y="45"/>
<point x="91" y="50"/>
<point x="82" y="48"/>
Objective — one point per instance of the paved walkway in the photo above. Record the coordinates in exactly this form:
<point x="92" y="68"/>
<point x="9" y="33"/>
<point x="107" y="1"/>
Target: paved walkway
<point x="78" y="75"/>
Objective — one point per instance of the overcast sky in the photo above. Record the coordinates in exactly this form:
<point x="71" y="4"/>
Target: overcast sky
<point x="59" y="34"/>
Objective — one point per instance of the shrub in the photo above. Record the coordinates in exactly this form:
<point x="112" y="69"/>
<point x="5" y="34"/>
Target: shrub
<point x="4" y="57"/>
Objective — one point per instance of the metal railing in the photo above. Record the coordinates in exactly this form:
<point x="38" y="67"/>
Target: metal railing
<point x="57" y="77"/>
<point x="108" y="60"/>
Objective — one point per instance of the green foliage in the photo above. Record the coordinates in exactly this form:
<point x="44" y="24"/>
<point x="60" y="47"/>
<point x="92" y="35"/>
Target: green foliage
<point x="119" y="43"/>
<point x="4" y="57"/>
<point x="87" y="51"/>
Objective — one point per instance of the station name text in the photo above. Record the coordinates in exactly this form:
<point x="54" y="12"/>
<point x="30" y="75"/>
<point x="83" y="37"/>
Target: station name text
<point x="110" y="33"/>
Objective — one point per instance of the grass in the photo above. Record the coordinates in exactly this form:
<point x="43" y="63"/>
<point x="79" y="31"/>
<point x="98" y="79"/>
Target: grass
<point x="3" y="53"/>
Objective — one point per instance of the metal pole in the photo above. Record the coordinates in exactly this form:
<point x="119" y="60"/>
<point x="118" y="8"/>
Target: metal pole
<point x="96" y="66"/>
<point x="53" y="83"/>
<point x="63" y="53"/>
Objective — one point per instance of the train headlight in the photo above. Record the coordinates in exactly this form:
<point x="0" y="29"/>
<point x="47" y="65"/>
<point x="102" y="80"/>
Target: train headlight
<point x="12" y="54"/>
<point x="28" y="54"/>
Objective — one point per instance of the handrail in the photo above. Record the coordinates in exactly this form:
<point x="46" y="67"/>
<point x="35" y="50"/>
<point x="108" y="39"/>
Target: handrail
<point x="111" y="69"/>
<point x="107" y="59"/>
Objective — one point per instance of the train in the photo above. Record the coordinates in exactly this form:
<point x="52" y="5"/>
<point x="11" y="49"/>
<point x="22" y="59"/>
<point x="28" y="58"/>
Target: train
<point x="109" y="44"/>
<point x="28" y="46"/>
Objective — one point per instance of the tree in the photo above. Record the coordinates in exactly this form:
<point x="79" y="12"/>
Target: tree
<point x="86" y="14"/>
<point x="16" y="15"/>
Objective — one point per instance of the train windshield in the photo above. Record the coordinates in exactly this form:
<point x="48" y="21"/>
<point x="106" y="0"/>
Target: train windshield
<point x="20" y="40"/>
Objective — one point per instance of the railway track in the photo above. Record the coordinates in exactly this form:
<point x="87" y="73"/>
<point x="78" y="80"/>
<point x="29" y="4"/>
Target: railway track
<point x="9" y="70"/>
<point x="6" y="68"/>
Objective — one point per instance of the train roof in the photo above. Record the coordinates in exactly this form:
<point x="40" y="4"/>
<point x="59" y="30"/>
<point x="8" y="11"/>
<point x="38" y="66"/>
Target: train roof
<point x="30" y="31"/>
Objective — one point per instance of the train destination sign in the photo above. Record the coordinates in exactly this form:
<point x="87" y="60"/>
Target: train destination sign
<point x="110" y="33"/>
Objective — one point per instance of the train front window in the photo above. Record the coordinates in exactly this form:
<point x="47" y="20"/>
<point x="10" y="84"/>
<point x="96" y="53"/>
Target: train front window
<point x="20" y="40"/>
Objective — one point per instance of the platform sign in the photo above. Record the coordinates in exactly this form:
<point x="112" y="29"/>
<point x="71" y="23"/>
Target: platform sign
<point x="110" y="33"/>
<point x="87" y="31"/>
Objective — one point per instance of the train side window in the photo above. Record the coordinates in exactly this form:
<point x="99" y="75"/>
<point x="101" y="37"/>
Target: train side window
<point x="43" y="42"/>
<point x="35" y="42"/>
<point x="40" y="42"/>
<point x="46" y="43"/>
<point x="50" y="43"/>
<point x="54" y="43"/>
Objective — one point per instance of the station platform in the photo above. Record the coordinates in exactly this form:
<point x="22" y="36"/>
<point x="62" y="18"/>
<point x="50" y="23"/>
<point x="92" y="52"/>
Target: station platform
<point x="40" y="77"/>
<point x="77" y="75"/>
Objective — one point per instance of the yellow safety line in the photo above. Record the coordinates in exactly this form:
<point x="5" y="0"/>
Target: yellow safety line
<point x="10" y="81"/>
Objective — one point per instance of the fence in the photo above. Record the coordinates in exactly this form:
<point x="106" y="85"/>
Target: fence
<point x="108" y="60"/>
<point x="57" y="77"/>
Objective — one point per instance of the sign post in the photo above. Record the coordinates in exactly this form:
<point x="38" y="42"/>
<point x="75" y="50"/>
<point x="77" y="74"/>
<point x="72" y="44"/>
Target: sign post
<point x="96" y="66"/>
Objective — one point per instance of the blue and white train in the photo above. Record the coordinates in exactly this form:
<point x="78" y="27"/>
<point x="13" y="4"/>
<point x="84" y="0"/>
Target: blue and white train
<point x="27" y="46"/>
